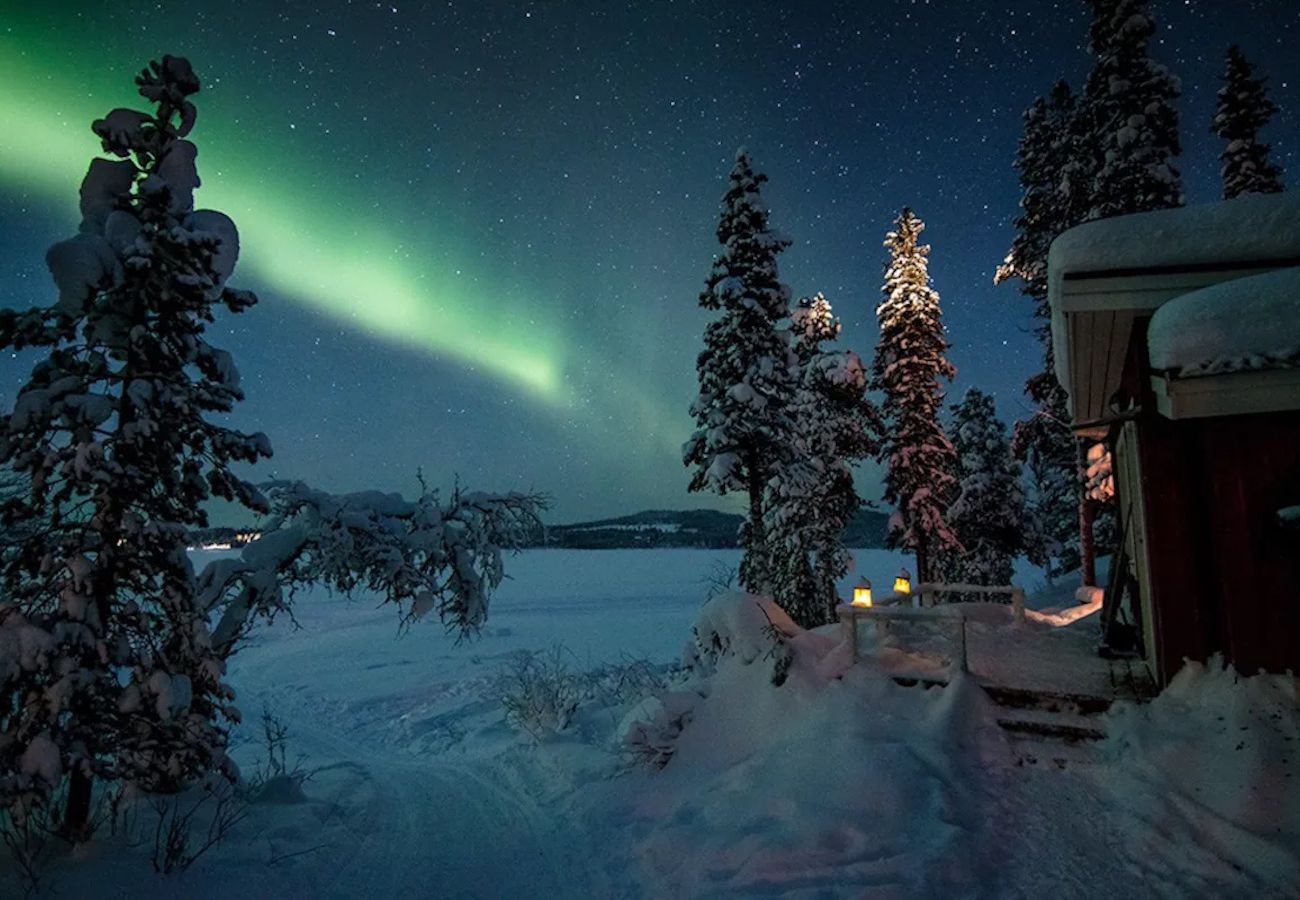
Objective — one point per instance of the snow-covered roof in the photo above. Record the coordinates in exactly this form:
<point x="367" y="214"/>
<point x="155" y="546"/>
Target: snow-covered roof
<point x="1105" y="277"/>
<point x="1253" y="227"/>
<point x="1243" y="324"/>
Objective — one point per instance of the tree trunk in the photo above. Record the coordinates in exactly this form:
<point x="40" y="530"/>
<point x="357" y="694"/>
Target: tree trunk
<point x="922" y="561"/>
<point x="756" y="551"/>
<point x="76" y="813"/>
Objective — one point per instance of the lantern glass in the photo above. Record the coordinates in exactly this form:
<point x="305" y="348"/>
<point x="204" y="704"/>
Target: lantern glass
<point x="862" y="593"/>
<point x="903" y="583"/>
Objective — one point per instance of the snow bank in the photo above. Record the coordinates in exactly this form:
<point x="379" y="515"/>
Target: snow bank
<point x="1251" y="227"/>
<point x="1209" y="774"/>
<point x="746" y="626"/>
<point x="1247" y="323"/>
<point x="818" y="787"/>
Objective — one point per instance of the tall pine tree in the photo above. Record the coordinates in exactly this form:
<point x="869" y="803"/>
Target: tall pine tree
<point x="1056" y="190"/>
<point x="909" y="368"/>
<point x="112" y="650"/>
<point x="813" y="498"/>
<point x="742" y="423"/>
<point x="114" y="433"/>
<point x="1244" y="108"/>
<point x="988" y="515"/>
<point x="1129" y="124"/>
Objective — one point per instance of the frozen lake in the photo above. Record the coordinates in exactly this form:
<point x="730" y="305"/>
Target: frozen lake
<point x="600" y="604"/>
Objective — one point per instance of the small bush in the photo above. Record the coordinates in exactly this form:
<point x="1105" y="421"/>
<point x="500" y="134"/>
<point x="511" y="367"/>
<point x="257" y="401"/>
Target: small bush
<point x="180" y="828"/>
<point x="539" y="692"/>
<point x="649" y="732"/>
<point x="276" y="780"/>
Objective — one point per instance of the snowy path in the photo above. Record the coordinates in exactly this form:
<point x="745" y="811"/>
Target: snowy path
<point x="436" y="829"/>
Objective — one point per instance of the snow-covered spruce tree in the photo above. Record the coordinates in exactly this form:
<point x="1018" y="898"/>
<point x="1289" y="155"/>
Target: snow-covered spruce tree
<point x="908" y="369"/>
<point x="812" y="499"/>
<point x="109" y="668"/>
<point x="742" y="425"/>
<point x="1129" y="122"/>
<point x="1244" y="108"/>
<point x="988" y="515"/>
<point x="1046" y="445"/>
<point x="1056" y="191"/>
<point x="1050" y="203"/>
<point x="116" y="676"/>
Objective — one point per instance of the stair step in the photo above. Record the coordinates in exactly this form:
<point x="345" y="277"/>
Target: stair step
<point x="1069" y="730"/>
<point x="1022" y="698"/>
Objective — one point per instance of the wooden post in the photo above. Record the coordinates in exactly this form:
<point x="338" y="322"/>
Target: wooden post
<point x="962" y="619"/>
<point x="849" y="622"/>
<point x="1018" y="604"/>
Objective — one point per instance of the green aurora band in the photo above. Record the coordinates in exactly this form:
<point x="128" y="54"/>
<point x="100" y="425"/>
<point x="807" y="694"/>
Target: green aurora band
<point x="325" y="258"/>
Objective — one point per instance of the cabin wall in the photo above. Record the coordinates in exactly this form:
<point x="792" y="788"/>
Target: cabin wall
<point x="1223" y="575"/>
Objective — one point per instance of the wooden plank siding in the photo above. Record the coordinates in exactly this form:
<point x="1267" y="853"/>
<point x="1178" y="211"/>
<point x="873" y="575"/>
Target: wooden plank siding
<point x="1252" y="469"/>
<point x="1224" y="577"/>
<point x="1081" y="357"/>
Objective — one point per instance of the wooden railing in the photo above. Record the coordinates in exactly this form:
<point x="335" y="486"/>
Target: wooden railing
<point x="881" y="616"/>
<point x="919" y="603"/>
<point x="1017" y="594"/>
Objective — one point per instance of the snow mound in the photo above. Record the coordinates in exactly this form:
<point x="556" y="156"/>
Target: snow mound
<point x="746" y="626"/>
<point x="819" y="787"/>
<point x="1210" y="774"/>
<point x="1247" y="323"/>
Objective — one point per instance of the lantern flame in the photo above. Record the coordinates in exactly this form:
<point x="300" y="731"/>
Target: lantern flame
<point x="862" y="593"/>
<point x="903" y="582"/>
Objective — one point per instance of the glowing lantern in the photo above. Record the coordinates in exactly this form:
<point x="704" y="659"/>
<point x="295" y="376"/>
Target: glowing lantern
<point x="862" y="593"/>
<point x="903" y="582"/>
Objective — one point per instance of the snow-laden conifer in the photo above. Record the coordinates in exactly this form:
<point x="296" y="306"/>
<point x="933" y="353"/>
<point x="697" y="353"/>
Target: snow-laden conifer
<point x="742" y="424"/>
<point x="1055" y="195"/>
<point x="1244" y="108"/>
<point x="115" y="432"/>
<point x="909" y="368"/>
<point x="988" y="515"/>
<point x="812" y="499"/>
<point x="1129" y="121"/>
<point x="112" y="652"/>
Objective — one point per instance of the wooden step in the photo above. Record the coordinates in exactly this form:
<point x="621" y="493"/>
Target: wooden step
<point x="1024" y="698"/>
<point x="1067" y="729"/>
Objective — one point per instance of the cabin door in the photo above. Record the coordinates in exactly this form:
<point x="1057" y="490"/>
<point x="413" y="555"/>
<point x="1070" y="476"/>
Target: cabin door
<point x="1133" y="522"/>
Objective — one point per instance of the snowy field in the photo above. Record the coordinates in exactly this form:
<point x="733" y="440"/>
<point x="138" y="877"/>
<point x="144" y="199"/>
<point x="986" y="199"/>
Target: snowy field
<point x="825" y="786"/>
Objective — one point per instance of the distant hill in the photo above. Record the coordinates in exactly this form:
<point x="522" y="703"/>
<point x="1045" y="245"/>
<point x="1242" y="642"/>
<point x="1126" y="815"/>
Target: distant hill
<point x="686" y="528"/>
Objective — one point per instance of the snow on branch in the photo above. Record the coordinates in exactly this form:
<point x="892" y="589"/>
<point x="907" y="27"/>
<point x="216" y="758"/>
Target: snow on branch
<point x="422" y="554"/>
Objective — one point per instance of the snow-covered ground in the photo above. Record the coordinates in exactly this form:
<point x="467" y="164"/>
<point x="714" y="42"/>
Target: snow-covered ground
<point x="824" y="786"/>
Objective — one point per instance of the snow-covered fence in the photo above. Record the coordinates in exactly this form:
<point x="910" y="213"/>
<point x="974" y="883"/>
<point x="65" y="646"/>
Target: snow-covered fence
<point x="1017" y="594"/>
<point x="870" y="629"/>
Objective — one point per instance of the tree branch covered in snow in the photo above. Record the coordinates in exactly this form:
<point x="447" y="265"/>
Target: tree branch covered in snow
<point x="423" y="555"/>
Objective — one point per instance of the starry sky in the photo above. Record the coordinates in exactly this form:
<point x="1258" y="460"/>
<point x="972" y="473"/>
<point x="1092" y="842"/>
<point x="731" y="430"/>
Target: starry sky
<point x="478" y="228"/>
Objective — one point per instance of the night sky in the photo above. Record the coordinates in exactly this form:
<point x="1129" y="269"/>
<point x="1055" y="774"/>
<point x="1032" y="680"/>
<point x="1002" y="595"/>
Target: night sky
<point x="478" y="229"/>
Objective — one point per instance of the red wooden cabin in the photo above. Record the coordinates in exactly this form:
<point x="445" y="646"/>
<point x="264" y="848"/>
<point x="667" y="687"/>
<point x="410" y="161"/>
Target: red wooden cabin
<point x="1177" y="335"/>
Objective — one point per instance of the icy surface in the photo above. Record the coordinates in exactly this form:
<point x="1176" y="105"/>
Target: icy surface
<point x="1243" y="324"/>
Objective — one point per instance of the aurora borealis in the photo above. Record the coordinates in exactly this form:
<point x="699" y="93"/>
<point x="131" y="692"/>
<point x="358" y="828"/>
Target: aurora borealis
<point x="478" y="229"/>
